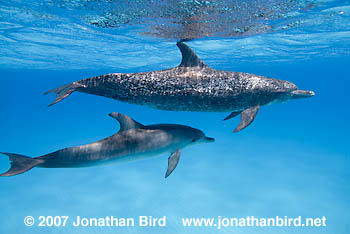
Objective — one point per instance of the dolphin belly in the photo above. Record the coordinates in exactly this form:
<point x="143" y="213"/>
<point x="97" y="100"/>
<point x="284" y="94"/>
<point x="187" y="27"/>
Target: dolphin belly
<point x="74" y="161"/>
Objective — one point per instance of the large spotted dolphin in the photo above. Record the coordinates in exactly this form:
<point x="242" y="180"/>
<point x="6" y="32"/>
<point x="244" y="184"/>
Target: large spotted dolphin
<point x="191" y="86"/>
<point x="134" y="141"/>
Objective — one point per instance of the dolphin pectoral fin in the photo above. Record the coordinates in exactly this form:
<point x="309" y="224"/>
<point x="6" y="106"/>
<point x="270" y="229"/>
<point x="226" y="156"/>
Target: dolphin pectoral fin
<point x="189" y="57"/>
<point x="125" y="121"/>
<point x="232" y="115"/>
<point x="172" y="162"/>
<point x="247" y="117"/>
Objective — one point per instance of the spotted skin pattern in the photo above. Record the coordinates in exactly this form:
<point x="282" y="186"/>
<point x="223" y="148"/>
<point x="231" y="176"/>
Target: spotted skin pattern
<point x="187" y="89"/>
<point x="191" y="86"/>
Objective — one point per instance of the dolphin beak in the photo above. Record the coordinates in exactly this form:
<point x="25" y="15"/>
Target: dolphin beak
<point x="208" y="139"/>
<point x="301" y="93"/>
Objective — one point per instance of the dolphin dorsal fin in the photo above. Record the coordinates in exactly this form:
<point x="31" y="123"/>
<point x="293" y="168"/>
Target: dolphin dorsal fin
<point x="125" y="121"/>
<point x="189" y="57"/>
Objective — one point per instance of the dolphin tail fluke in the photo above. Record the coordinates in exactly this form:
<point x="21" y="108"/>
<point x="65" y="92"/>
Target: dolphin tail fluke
<point x="63" y="92"/>
<point x="20" y="164"/>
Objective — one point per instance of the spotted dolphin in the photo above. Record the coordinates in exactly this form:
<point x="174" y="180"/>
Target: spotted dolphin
<point x="133" y="141"/>
<point x="191" y="86"/>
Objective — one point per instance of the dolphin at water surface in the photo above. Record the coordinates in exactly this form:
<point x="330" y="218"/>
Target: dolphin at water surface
<point x="134" y="141"/>
<point x="191" y="86"/>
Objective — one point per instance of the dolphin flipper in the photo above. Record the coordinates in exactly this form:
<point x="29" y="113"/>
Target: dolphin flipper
<point x="247" y="117"/>
<point x="172" y="162"/>
<point x="233" y="114"/>
<point x="20" y="164"/>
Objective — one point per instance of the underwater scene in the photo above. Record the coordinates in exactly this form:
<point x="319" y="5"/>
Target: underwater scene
<point x="166" y="116"/>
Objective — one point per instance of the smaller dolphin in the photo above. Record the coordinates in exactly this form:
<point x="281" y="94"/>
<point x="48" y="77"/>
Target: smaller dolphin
<point x="133" y="141"/>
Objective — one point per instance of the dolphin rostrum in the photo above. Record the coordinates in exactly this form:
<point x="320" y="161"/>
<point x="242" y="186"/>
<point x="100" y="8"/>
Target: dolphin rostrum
<point x="133" y="141"/>
<point x="191" y="86"/>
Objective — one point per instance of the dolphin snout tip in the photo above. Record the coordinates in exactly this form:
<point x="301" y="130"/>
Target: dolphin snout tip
<point x="302" y="93"/>
<point x="309" y="93"/>
<point x="209" y="139"/>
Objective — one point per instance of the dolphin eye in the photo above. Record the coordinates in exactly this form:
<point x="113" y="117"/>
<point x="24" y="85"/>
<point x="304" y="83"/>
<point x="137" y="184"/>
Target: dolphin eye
<point x="193" y="140"/>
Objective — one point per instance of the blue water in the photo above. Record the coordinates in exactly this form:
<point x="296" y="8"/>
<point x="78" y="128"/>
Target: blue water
<point x="293" y="160"/>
